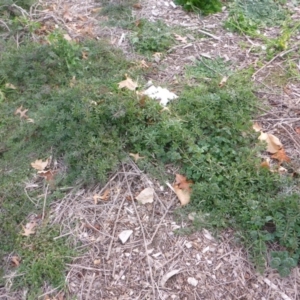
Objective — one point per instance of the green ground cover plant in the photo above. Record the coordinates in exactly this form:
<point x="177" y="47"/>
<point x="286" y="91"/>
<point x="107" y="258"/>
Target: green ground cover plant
<point x="204" y="6"/>
<point x="89" y="125"/>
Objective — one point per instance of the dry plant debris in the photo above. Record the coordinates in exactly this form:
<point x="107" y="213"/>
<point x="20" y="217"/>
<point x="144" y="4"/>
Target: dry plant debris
<point x="154" y="262"/>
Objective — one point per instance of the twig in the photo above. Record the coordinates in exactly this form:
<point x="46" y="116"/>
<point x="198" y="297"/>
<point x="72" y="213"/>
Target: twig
<point x="47" y="293"/>
<point x="275" y="287"/>
<point x="290" y="135"/>
<point x="114" y="230"/>
<point x="144" y="238"/>
<point x="44" y="205"/>
<point x="209" y="34"/>
<point x="281" y="54"/>
<point x="90" y="287"/>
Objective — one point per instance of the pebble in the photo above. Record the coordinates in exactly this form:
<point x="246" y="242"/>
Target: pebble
<point x="192" y="281"/>
<point x="124" y="235"/>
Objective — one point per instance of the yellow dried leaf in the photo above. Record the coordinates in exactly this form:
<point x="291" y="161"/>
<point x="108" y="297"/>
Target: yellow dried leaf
<point x="22" y="112"/>
<point x="136" y="156"/>
<point x="128" y="83"/>
<point x="281" y="156"/>
<point x="180" y="38"/>
<point x="257" y="127"/>
<point x="39" y="164"/>
<point x="29" y="228"/>
<point x="184" y="196"/>
<point x="273" y="143"/>
<point x="223" y="81"/>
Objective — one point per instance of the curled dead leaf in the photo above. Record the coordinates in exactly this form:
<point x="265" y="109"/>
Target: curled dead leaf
<point x="180" y="38"/>
<point x="184" y="196"/>
<point x="48" y="175"/>
<point x="273" y="142"/>
<point x="223" y="81"/>
<point x="281" y="156"/>
<point x="15" y="260"/>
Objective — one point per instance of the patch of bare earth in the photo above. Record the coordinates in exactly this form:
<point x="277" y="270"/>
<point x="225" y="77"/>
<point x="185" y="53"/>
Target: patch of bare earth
<point x="156" y="262"/>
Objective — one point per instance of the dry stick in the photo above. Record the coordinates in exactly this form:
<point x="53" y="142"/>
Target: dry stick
<point x="114" y="230"/>
<point x="281" y="54"/>
<point x="44" y="205"/>
<point x="143" y="233"/>
<point x="157" y="227"/>
<point x="209" y="34"/>
<point x="90" y="287"/>
<point x="290" y="136"/>
<point x="47" y="293"/>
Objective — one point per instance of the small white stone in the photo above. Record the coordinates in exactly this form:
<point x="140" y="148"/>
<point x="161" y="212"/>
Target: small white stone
<point x="124" y="235"/>
<point x="188" y="245"/>
<point x="192" y="281"/>
<point x="173" y="4"/>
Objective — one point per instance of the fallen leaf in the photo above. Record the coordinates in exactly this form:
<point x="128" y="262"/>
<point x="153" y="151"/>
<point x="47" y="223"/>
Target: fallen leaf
<point x="281" y="156"/>
<point x="273" y="143"/>
<point x="48" y="175"/>
<point x="257" y="127"/>
<point x="15" y="260"/>
<point x="145" y="196"/>
<point x="96" y="10"/>
<point x="67" y="17"/>
<point x="39" y="164"/>
<point x="182" y="182"/>
<point x="137" y="6"/>
<point x="184" y="196"/>
<point x="167" y="276"/>
<point x="180" y="38"/>
<point x="10" y="86"/>
<point x="84" y="55"/>
<point x="223" y="81"/>
<point x="265" y="164"/>
<point x="297" y="129"/>
<point x="128" y="83"/>
<point x="22" y="112"/>
<point x="103" y="197"/>
<point x="29" y="120"/>
<point x="29" y="228"/>
<point x="136" y="156"/>
<point x="157" y="56"/>
<point x="124" y="235"/>
<point x="143" y="64"/>
<point x="97" y="262"/>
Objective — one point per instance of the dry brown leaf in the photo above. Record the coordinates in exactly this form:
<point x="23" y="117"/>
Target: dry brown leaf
<point x="265" y="164"/>
<point x="182" y="182"/>
<point x="103" y="197"/>
<point x="282" y="170"/>
<point x="97" y="262"/>
<point x="84" y="55"/>
<point x="137" y="6"/>
<point x="184" y="196"/>
<point x="273" y="142"/>
<point x="223" y="81"/>
<point x="281" y="156"/>
<point x="297" y="129"/>
<point x="67" y="17"/>
<point x="257" y="127"/>
<point x="22" y="112"/>
<point x="128" y="83"/>
<point x="29" y="228"/>
<point x="48" y="175"/>
<point x="39" y="164"/>
<point x="15" y="260"/>
<point x="136" y="156"/>
<point x="180" y="38"/>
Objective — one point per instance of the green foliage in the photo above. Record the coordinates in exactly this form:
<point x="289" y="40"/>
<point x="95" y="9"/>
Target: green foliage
<point x="43" y="259"/>
<point x="249" y="16"/>
<point x="205" y="6"/>
<point x="151" y="37"/>
<point x="283" y="262"/>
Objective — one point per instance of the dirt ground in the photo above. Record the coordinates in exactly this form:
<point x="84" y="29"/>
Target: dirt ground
<point x="155" y="262"/>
